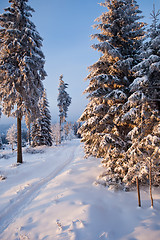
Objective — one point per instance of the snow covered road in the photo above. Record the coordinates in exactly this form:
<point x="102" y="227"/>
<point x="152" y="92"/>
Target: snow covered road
<point x="19" y="202"/>
<point x="52" y="196"/>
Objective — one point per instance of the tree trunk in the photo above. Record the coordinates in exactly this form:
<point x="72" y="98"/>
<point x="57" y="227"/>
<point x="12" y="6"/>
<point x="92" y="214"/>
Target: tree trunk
<point x="150" y="181"/>
<point x="138" y="191"/>
<point x="19" y="141"/>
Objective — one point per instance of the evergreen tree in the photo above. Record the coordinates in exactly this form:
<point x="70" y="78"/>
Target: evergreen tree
<point x="120" y="38"/>
<point x="36" y="133"/>
<point x="64" y="101"/>
<point x="76" y="127"/>
<point x="11" y="135"/>
<point x="143" y="111"/>
<point x="41" y="128"/>
<point x="21" y="64"/>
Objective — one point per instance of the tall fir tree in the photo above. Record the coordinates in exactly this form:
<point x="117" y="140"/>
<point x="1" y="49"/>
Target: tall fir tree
<point x="64" y="101"/>
<point x="21" y="64"/>
<point x="41" y="127"/>
<point x="143" y="110"/>
<point x="120" y="38"/>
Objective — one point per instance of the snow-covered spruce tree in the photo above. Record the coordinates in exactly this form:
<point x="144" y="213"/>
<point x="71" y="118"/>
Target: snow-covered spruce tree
<point x="21" y="64"/>
<point x="143" y="110"/>
<point x="36" y="133"/>
<point x="41" y="127"/>
<point x="12" y="135"/>
<point x="120" y="38"/>
<point x="64" y="101"/>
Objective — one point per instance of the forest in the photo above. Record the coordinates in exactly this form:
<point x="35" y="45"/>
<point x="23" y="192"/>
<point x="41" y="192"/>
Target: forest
<point x="119" y="128"/>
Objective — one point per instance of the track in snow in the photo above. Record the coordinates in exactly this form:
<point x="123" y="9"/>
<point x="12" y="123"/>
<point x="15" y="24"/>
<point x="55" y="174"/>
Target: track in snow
<point x="18" y="203"/>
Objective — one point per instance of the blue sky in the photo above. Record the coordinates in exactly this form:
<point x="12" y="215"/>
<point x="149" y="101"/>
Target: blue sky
<point x="66" y="26"/>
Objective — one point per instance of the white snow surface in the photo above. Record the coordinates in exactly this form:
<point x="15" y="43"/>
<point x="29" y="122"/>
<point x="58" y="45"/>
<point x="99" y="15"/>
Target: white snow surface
<point x="53" y="195"/>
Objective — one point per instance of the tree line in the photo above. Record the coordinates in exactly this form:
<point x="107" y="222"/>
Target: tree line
<point x="69" y="131"/>
<point x="121" y="123"/>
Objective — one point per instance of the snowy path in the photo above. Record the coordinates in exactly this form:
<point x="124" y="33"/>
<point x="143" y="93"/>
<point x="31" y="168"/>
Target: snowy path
<point x="56" y="199"/>
<point x="18" y="203"/>
<point x="28" y="192"/>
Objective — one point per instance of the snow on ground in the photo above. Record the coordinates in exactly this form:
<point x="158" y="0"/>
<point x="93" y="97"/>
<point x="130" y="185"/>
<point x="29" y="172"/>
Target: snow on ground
<point x="53" y="196"/>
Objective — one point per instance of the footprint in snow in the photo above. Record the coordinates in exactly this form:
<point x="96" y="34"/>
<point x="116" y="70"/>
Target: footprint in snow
<point x="76" y="225"/>
<point x="71" y="230"/>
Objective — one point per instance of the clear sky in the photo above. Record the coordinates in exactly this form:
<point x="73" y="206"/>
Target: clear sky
<point x="66" y="26"/>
